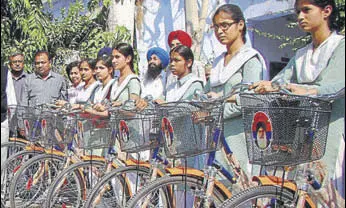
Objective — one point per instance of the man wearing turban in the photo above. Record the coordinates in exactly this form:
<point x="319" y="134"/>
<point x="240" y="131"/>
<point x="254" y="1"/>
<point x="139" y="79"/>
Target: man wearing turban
<point x="180" y="37"/>
<point x="153" y="78"/>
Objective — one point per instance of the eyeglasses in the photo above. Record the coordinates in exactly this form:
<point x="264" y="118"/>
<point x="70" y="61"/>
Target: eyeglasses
<point x="40" y="62"/>
<point x="17" y="62"/>
<point x="223" y="26"/>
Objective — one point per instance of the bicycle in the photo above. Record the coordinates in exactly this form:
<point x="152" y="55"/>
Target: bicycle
<point x="39" y="172"/>
<point x="186" y="136"/>
<point x="47" y="129"/>
<point x="138" y="132"/>
<point x="297" y="128"/>
<point x="18" y="116"/>
<point x="15" y="114"/>
<point x="87" y="171"/>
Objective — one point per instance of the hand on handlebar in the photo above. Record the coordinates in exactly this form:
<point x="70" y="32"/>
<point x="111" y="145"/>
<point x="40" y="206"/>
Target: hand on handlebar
<point x="99" y="107"/>
<point x="231" y="99"/>
<point x="141" y="104"/>
<point x="60" y="103"/>
<point x="263" y="87"/>
<point x="213" y="95"/>
<point x="116" y="104"/>
<point x="301" y="90"/>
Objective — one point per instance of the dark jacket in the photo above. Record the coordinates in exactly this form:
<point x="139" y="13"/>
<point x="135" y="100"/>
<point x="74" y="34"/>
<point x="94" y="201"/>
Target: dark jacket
<point x="4" y="72"/>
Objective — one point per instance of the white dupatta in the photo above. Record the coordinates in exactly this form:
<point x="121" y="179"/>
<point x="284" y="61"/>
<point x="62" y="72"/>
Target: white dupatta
<point x="175" y="93"/>
<point x="220" y="73"/>
<point x="310" y="63"/>
<point x="116" y="90"/>
<point x="102" y="92"/>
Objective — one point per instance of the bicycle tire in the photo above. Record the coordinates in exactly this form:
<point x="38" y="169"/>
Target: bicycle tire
<point x="13" y="147"/>
<point x="106" y="199"/>
<point x="282" y="197"/>
<point x="167" y="201"/>
<point x="74" y="174"/>
<point x="10" y="167"/>
<point x="28" y="192"/>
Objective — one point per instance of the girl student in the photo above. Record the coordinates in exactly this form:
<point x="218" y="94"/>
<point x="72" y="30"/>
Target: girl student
<point x="317" y="69"/>
<point x="239" y="63"/>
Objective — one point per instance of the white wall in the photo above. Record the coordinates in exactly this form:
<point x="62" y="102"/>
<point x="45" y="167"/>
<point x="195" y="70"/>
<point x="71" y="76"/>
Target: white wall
<point x="269" y="47"/>
<point x="163" y="16"/>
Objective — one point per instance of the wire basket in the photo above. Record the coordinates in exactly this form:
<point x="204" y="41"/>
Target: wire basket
<point x="44" y="126"/>
<point x="284" y="130"/>
<point x="93" y="132"/>
<point x="15" y="115"/>
<point x="190" y="129"/>
<point x="138" y="131"/>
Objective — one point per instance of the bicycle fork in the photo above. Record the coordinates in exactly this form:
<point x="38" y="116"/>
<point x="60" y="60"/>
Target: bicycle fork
<point x="106" y="187"/>
<point x="203" y="198"/>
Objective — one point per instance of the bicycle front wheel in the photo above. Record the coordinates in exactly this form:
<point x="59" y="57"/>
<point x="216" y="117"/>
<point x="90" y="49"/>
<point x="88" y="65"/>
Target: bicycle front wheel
<point x="73" y="184"/>
<point x="30" y="183"/>
<point x="262" y="196"/>
<point x="174" y="192"/>
<point x="10" y="168"/>
<point x="115" y="189"/>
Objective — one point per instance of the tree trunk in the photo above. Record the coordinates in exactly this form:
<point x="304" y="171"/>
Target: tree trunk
<point x="122" y="13"/>
<point x="195" y="23"/>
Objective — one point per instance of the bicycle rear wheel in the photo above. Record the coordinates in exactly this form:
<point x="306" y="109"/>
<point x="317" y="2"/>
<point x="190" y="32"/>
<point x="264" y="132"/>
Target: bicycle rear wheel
<point x="29" y="186"/>
<point x="174" y="192"/>
<point x="9" y="168"/>
<point x="115" y="189"/>
<point x="73" y="184"/>
<point x="263" y="196"/>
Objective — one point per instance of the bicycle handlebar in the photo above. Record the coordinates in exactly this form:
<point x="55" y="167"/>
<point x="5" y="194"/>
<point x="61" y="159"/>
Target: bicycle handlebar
<point x="281" y="84"/>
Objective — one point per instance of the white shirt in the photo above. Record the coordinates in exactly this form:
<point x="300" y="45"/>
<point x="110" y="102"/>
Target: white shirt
<point x="73" y="92"/>
<point x="154" y="87"/>
<point x="102" y="92"/>
<point x="85" y="93"/>
<point x="11" y="94"/>
<point x="310" y="63"/>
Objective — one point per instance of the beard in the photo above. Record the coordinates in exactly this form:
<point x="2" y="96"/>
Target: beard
<point x="262" y="141"/>
<point x="154" y="70"/>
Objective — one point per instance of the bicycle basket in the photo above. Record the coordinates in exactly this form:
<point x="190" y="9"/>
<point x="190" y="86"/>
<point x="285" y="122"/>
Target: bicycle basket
<point x="93" y="132"/>
<point x="138" y="131"/>
<point x="191" y="129"/>
<point x="284" y="129"/>
<point x="15" y="115"/>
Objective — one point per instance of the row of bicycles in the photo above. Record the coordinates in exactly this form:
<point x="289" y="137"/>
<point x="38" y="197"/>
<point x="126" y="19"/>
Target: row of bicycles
<point x="139" y="159"/>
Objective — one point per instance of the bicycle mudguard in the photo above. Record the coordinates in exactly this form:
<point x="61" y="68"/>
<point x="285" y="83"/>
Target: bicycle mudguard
<point x="15" y="139"/>
<point x="275" y="181"/>
<point x="34" y="148"/>
<point x="133" y="162"/>
<point x="93" y="157"/>
<point x="197" y="174"/>
<point x="55" y="152"/>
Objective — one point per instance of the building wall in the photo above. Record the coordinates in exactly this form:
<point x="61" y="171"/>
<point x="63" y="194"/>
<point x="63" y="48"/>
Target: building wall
<point x="269" y="47"/>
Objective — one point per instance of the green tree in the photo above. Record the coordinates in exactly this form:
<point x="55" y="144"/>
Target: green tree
<point x="28" y="28"/>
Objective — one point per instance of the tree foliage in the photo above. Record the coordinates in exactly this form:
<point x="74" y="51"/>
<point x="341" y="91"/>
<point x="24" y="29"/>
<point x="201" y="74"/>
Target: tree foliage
<point x="78" y="33"/>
